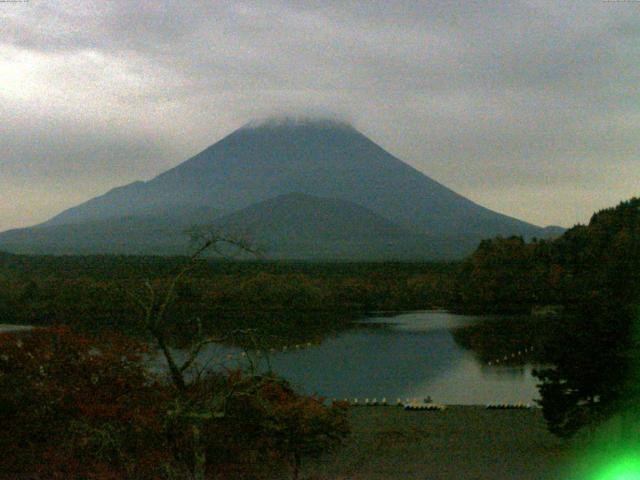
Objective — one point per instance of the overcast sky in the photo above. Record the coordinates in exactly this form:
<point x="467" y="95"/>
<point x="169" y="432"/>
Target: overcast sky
<point x="531" y="108"/>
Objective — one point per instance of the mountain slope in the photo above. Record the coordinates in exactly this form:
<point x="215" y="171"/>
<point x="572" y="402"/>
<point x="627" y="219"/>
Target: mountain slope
<point x="325" y="159"/>
<point x="161" y="234"/>
<point x="291" y="226"/>
<point x="299" y="226"/>
<point x="322" y="158"/>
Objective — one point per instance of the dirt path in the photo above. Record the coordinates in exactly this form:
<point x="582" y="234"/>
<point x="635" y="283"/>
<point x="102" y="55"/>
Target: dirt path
<point x="458" y="443"/>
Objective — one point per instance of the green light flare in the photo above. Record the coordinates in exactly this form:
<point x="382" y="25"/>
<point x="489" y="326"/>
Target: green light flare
<point x="626" y="467"/>
<point x="611" y="461"/>
<point x="610" y="456"/>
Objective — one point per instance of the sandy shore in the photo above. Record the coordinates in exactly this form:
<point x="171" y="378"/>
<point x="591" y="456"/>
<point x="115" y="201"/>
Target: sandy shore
<point x="461" y="442"/>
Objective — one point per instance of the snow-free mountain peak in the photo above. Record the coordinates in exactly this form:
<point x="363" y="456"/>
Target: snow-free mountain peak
<point x="323" y="158"/>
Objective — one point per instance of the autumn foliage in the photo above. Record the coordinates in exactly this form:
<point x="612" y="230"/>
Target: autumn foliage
<point x="268" y="424"/>
<point x="74" y="406"/>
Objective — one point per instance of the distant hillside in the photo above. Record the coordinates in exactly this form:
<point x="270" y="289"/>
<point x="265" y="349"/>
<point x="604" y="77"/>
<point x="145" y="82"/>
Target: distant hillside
<point x="552" y="231"/>
<point x="299" y="226"/>
<point x="134" y="234"/>
<point x="261" y="162"/>
<point x="292" y="226"/>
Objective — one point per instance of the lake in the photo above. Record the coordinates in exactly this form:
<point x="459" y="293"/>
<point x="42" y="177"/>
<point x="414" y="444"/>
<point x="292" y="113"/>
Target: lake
<point x="409" y="355"/>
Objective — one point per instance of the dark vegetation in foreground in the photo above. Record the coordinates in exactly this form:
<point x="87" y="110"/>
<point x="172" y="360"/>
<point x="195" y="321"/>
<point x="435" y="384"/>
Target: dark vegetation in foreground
<point x="81" y="407"/>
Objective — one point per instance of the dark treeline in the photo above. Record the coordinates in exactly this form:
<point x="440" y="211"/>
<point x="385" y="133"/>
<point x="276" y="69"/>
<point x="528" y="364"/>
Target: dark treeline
<point x="510" y="340"/>
<point x="101" y="291"/>
<point x="593" y="271"/>
<point x="587" y="265"/>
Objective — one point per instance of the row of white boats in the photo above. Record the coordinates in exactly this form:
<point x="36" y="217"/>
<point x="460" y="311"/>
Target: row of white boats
<point x="427" y="404"/>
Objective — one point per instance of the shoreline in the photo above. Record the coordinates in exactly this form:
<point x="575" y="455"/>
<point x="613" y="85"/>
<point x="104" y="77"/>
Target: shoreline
<point x="10" y="328"/>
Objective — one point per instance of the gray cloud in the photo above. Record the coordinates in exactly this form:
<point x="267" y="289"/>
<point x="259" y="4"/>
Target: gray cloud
<point x="513" y="103"/>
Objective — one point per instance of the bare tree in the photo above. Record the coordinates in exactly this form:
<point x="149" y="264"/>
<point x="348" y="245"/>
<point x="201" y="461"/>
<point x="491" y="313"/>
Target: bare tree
<point x="154" y="303"/>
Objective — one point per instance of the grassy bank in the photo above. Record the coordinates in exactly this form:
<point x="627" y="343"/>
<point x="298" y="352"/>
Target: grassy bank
<point x="461" y="442"/>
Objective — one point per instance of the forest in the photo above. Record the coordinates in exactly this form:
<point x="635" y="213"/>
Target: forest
<point x="592" y="272"/>
<point x="97" y="292"/>
<point x="588" y="264"/>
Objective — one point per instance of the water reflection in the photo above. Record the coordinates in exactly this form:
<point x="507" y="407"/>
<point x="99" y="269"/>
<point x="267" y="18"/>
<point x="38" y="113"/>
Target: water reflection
<point x="409" y="355"/>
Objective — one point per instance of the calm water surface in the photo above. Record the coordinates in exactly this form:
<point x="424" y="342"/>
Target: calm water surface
<point x="410" y="355"/>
